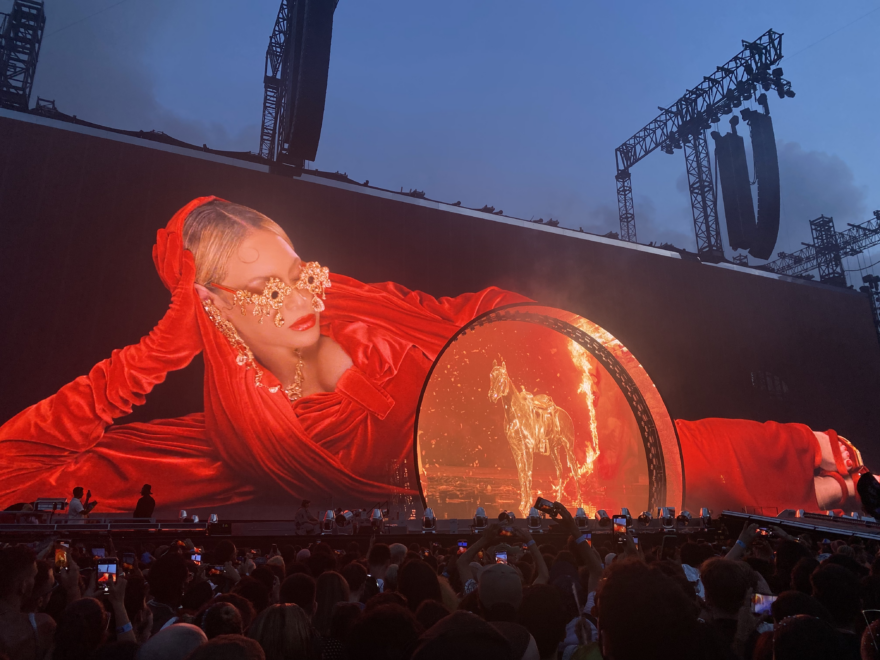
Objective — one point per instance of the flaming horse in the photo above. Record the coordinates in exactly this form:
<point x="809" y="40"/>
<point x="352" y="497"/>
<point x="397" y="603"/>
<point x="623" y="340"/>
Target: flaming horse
<point x="533" y="423"/>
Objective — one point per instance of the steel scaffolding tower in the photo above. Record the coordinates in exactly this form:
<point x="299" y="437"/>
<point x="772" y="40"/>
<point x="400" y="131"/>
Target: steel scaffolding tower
<point x="686" y="120"/>
<point x="21" y="33"/>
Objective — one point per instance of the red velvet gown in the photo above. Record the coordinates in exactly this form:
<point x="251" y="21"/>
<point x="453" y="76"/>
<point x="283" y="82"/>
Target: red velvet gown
<point x="345" y="446"/>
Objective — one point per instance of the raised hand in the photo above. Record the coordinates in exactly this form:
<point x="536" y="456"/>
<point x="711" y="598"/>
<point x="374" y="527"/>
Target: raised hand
<point x="116" y="590"/>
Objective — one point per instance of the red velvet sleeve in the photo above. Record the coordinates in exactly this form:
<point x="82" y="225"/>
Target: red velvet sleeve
<point x="736" y="463"/>
<point x="421" y="319"/>
<point x="75" y="417"/>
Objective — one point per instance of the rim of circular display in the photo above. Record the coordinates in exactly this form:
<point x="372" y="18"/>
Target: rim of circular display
<point x="654" y="452"/>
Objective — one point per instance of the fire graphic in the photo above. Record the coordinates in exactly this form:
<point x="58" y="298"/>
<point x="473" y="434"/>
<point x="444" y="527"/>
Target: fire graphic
<point x="583" y="361"/>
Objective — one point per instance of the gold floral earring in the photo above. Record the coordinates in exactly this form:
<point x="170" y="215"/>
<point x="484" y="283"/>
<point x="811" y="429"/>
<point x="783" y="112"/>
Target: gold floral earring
<point x="245" y="357"/>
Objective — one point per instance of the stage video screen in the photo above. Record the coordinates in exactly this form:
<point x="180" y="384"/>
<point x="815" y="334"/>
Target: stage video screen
<point x="518" y="407"/>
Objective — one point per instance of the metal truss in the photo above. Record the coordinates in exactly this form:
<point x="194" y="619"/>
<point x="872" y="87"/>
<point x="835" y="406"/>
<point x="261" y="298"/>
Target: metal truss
<point x="719" y="94"/>
<point x="21" y="33"/>
<point x="625" y="207"/>
<point x="702" y="192"/>
<point x="850" y="242"/>
<point x="273" y="82"/>
<point x="828" y="259"/>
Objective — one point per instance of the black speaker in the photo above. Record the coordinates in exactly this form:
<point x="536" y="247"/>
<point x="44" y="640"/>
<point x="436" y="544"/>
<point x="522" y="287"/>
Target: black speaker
<point x="739" y="212"/>
<point x="767" y="173"/>
<point x="305" y="71"/>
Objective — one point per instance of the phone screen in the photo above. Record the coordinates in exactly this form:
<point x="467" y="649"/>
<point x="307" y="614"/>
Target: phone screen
<point x="668" y="546"/>
<point x="462" y="544"/>
<point x="590" y="539"/>
<point x="62" y="554"/>
<point x="99" y="552"/>
<point x="106" y="569"/>
<point x="196" y="558"/>
<point x="636" y="541"/>
<point x="506" y="531"/>
<point x="620" y="526"/>
<point x="500" y="557"/>
<point x="761" y="603"/>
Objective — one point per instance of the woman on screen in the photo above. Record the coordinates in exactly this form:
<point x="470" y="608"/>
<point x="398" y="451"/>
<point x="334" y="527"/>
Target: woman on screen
<point x="312" y="380"/>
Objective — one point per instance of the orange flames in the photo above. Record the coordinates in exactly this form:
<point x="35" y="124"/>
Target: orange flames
<point x="584" y="362"/>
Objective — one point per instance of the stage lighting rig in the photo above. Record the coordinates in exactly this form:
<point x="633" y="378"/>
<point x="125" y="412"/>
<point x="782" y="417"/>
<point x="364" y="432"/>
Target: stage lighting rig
<point x="717" y="95"/>
<point x="666" y="515"/>
<point x="181" y="516"/>
<point x="213" y="519"/>
<point x="603" y="518"/>
<point x="535" y="521"/>
<point x="481" y="522"/>
<point x="705" y="516"/>
<point x="580" y="519"/>
<point x="624" y="513"/>
<point x="429" y="522"/>
<point x="684" y="518"/>
<point x="377" y="521"/>
<point x="645" y="518"/>
<point x="328" y="523"/>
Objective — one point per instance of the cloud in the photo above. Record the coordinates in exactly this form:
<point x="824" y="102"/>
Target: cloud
<point x="98" y="69"/>
<point x="815" y="183"/>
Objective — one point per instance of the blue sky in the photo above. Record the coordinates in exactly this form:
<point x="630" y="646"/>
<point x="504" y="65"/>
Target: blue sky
<point x="513" y="104"/>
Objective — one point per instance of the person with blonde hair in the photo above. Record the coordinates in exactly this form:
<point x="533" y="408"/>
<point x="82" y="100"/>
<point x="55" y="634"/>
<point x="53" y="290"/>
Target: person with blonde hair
<point x="311" y="379"/>
<point x="284" y="632"/>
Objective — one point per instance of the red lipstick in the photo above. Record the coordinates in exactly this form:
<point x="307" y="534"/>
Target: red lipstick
<point x="303" y="323"/>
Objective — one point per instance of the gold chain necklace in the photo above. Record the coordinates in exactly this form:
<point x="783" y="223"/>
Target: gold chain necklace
<point x="294" y="391"/>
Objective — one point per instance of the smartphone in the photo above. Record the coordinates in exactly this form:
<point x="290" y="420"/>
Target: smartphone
<point x="590" y="539"/>
<point x="462" y="544"/>
<point x="544" y="506"/>
<point x="196" y="558"/>
<point x="506" y="531"/>
<point x="62" y="554"/>
<point x="620" y="526"/>
<point x="636" y="541"/>
<point x="99" y="552"/>
<point x="127" y="561"/>
<point x="668" y="546"/>
<point x="254" y="551"/>
<point x="500" y="557"/>
<point x="106" y="569"/>
<point x="761" y="603"/>
<point x="763" y="531"/>
<point x="260" y="561"/>
<point x="274" y="550"/>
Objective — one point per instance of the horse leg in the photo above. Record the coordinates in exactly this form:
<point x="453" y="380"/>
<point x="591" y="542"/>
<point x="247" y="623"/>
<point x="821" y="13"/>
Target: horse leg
<point x="528" y="458"/>
<point x="555" y="452"/>
<point x="520" y="469"/>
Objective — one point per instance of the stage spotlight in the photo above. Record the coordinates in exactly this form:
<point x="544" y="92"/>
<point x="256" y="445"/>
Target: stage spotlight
<point x="780" y="92"/>
<point x="429" y="522"/>
<point x="624" y="513"/>
<point x="327" y="523"/>
<point x="602" y="517"/>
<point x="481" y="522"/>
<point x="344" y="518"/>
<point x="377" y="522"/>
<point x="777" y="72"/>
<point x="799" y="513"/>
<point x="855" y="515"/>
<point x="535" y="522"/>
<point x="182" y="515"/>
<point x="195" y="518"/>
<point x="766" y="85"/>
<point x="705" y="516"/>
<point x="790" y="93"/>
<point x="666" y="514"/>
<point x="684" y="517"/>
<point x="580" y="518"/>
<point x="213" y="518"/>
<point x="646" y="518"/>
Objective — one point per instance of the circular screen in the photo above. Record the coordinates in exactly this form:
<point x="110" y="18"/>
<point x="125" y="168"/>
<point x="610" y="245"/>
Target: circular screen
<point x="530" y="401"/>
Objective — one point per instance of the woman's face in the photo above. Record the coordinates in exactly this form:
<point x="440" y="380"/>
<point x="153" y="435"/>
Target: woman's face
<point x="264" y="254"/>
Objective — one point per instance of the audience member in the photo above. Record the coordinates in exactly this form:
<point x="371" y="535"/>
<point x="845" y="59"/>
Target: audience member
<point x="222" y="619"/>
<point x="299" y="589"/>
<point x="168" y="575"/>
<point x="330" y="589"/>
<point x="387" y="631"/>
<point x="463" y="636"/>
<point x="21" y="635"/>
<point x="418" y="582"/>
<point x="228" y="647"/>
<point x="283" y="631"/>
<point x="175" y="642"/>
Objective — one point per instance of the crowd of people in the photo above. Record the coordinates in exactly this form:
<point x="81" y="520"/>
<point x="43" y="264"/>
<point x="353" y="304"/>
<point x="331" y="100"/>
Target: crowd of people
<point x="766" y="595"/>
